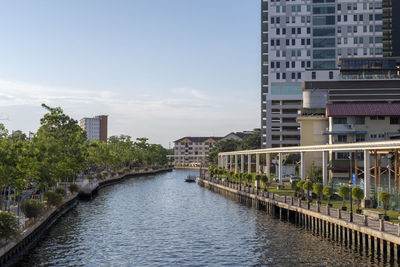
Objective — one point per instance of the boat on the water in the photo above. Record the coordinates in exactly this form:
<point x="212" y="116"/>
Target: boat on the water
<point x="190" y="179"/>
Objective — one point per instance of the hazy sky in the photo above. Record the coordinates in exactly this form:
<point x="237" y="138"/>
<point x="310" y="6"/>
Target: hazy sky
<point x="161" y="69"/>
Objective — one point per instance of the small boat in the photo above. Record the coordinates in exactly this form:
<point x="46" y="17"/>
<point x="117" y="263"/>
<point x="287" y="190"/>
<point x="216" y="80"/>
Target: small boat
<point x="190" y="179"/>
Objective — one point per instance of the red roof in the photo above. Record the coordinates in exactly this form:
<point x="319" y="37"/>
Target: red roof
<point x="363" y="109"/>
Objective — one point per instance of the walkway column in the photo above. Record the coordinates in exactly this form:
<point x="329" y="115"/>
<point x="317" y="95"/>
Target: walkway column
<point x="268" y="165"/>
<point x="367" y="176"/>
<point x="219" y="161"/>
<point x="257" y="163"/>
<point x="236" y="164"/>
<point x="249" y="163"/>
<point x="230" y="162"/>
<point x="302" y="166"/>
<point x="325" y="168"/>
<point x="280" y="169"/>
<point x="226" y="162"/>
<point x="242" y="163"/>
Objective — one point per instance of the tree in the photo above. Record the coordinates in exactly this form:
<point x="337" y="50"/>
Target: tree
<point x="328" y="192"/>
<point x="343" y="193"/>
<point x="307" y="186"/>
<point x="384" y="197"/>
<point x="299" y="185"/>
<point x="315" y="174"/>
<point x="357" y="194"/>
<point x="317" y="189"/>
<point x="251" y="141"/>
<point x="222" y="146"/>
<point x="264" y="179"/>
<point x="8" y="225"/>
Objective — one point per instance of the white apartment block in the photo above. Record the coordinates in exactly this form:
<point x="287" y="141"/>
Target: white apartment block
<point x="309" y="34"/>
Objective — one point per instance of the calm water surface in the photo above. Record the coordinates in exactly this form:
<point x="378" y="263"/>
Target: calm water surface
<point x="162" y="221"/>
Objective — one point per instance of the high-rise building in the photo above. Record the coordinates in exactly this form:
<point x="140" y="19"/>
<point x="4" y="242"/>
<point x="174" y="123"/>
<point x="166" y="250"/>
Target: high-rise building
<point x="312" y="34"/>
<point x="96" y="128"/>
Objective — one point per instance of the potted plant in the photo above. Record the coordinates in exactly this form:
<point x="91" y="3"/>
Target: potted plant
<point x="307" y="186"/>
<point x="357" y="194"/>
<point x="328" y="193"/>
<point x="264" y="179"/>
<point x="343" y="193"/>
<point x="317" y="189"/>
<point x="384" y="197"/>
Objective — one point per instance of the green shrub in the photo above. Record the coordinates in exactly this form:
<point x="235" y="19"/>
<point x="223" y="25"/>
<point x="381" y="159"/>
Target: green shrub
<point x="53" y="198"/>
<point x="8" y="225"/>
<point x="307" y="186"/>
<point x="317" y="189"/>
<point x="384" y="197"/>
<point x="32" y="208"/>
<point x="357" y="194"/>
<point x="61" y="191"/>
<point x="344" y="192"/>
<point x="73" y="188"/>
<point x="328" y="192"/>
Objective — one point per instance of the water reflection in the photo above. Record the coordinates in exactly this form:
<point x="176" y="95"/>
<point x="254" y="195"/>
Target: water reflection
<point x="162" y="221"/>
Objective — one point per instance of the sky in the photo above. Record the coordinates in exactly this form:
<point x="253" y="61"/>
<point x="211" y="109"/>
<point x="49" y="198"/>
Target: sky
<point x="160" y="69"/>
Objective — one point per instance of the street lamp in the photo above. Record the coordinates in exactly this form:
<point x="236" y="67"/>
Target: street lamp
<point x="350" y="187"/>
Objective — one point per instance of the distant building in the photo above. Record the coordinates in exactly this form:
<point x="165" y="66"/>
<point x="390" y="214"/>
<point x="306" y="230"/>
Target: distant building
<point x="237" y="135"/>
<point x="193" y="151"/>
<point x="96" y="128"/>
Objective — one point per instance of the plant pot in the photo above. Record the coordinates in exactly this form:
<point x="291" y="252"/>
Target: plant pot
<point x="358" y="211"/>
<point x="330" y="205"/>
<point x="344" y="208"/>
<point x="386" y="217"/>
<point x="26" y="223"/>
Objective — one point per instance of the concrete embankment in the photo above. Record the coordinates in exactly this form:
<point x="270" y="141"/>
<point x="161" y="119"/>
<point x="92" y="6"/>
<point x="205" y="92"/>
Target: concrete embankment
<point x="14" y="249"/>
<point x="361" y="232"/>
<point x="11" y="252"/>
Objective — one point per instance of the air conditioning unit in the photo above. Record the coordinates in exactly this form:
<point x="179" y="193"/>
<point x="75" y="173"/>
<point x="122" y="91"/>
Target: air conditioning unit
<point x="350" y="126"/>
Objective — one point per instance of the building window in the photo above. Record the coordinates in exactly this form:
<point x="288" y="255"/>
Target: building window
<point x="342" y="155"/>
<point x="394" y="120"/>
<point x="339" y="120"/>
<point x="360" y="120"/>
<point x="313" y="75"/>
<point x="360" y="138"/>
<point x="342" y="138"/>
<point x="374" y="118"/>
<point x="373" y="135"/>
<point x="331" y="75"/>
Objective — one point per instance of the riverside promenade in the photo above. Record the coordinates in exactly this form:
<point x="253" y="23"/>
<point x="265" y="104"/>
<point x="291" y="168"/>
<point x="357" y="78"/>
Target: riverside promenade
<point x="364" y="233"/>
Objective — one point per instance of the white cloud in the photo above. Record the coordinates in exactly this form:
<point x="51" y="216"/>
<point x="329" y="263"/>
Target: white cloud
<point x="186" y="112"/>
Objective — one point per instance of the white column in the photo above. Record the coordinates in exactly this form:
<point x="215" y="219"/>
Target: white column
<point x="367" y="175"/>
<point x="242" y="163"/>
<point x="219" y="161"/>
<point x="249" y="163"/>
<point x="226" y="162"/>
<point x="280" y="168"/>
<point x="268" y="165"/>
<point x="325" y="168"/>
<point x="230" y="162"/>
<point x="236" y="163"/>
<point x="302" y="166"/>
<point x="257" y="163"/>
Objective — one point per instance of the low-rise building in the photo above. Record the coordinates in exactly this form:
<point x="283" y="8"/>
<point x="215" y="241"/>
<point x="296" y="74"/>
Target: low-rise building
<point x="237" y="135"/>
<point x="193" y="151"/>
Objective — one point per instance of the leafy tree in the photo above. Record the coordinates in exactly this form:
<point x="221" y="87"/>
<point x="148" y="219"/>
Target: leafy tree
<point x="53" y="198"/>
<point x="315" y="174"/>
<point x="8" y="225"/>
<point x="358" y="194"/>
<point x="251" y="141"/>
<point x="264" y="179"/>
<point x="343" y="193"/>
<point x="317" y="189"/>
<point x="328" y="192"/>
<point x="222" y="146"/>
<point x="307" y="186"/>
<point x="299" y="185"/>
<point x="384" y="197"/>
<point x="32" y="208"/>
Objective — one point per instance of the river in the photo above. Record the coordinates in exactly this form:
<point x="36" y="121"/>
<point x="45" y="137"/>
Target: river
<point x="160" y="220"/>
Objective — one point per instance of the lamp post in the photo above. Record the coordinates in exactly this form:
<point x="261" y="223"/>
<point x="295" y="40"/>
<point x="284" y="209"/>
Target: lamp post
<point x="350" y="187"/>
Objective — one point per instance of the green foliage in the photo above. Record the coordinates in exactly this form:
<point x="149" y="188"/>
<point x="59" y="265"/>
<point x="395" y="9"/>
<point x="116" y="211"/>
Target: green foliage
<point x="258" y="177"/>
<point x="344" y="192"/>
<point x="8" y="225"/>
<point x="315" y="173"/>
<point x="307" y="186"/>
<point x="53" y="198"/>
<point x="317" y="189"/>
<point x="74" y="188"/>
<point x="251" y="141"/>
<point x="264" y="178"/>
<point x="384" y="197"/>
<point x="357" y="193"/>
<point x="32" y="208"/>
<point x="328" y="192"/>
<point x="61" y="191"/>
<point x="300" y="184"/>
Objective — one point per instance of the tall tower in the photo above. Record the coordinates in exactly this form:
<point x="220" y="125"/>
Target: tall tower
<point x="308" y="34"/>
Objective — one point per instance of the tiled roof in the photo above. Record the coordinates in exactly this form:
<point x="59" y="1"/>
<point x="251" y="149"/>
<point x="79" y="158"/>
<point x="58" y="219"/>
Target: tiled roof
<point x="363" y="109"/>
<point x="198" y="139"/>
